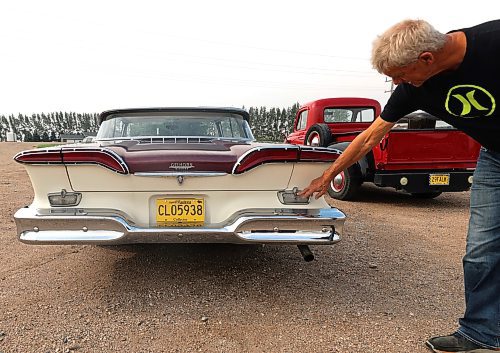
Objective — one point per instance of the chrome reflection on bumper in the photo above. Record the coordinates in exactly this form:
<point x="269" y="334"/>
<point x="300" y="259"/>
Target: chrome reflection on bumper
<point x="91" y="226"/>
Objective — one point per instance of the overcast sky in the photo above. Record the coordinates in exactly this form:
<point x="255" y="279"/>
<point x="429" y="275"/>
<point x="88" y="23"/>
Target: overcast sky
<point x="90" y="56"/>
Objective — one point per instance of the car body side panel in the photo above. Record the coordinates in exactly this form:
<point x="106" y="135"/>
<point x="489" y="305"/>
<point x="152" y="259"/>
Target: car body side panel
<point x="47" y="179"/>
<point x="303" y="173"/>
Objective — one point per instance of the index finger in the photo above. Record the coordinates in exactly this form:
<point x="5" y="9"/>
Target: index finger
<point x="305" y="192"/>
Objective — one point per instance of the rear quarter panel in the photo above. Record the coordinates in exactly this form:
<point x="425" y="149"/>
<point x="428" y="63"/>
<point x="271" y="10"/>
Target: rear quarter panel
<point x="47" y="179"/>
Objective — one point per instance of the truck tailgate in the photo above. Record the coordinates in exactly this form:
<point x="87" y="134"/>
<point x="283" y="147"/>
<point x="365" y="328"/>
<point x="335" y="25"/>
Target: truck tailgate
<point x="428" y="149"/>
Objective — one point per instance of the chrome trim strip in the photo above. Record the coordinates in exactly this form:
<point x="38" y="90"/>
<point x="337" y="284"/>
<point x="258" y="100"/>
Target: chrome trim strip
<point x="173" y="139"/>
<point x="286" y="226"/>
<point x="320" y="149"/>
<point x="176" y="174"/>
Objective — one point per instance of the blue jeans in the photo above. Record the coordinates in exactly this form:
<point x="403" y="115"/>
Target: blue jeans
<point x="481" y="321"/>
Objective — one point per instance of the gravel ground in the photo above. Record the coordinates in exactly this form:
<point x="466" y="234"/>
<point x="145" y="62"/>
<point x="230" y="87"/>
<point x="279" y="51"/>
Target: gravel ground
<point x="394" y="280"/>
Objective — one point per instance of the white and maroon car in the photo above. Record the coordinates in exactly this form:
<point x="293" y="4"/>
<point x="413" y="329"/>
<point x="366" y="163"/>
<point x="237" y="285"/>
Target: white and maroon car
<point x="176" y="175"/>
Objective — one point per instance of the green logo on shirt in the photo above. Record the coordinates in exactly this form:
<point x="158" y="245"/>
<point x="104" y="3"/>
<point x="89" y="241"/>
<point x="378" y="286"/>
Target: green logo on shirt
<point x="469" y="101"/>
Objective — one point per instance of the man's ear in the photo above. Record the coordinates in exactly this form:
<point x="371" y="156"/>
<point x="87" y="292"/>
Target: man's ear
<point x="426" y="57"/>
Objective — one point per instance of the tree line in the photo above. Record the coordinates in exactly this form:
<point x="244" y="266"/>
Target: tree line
<point x="272" y="124"/>
<point x="268" y="124"/>
<point x="48" y="127"/>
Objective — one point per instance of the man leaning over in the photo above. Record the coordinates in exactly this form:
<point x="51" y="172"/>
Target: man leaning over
<point x="456" y="77"/>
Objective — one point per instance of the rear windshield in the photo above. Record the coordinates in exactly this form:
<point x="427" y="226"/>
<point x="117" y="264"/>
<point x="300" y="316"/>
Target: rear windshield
<point x="349" y="115"/>
<point x="169" y="124"/>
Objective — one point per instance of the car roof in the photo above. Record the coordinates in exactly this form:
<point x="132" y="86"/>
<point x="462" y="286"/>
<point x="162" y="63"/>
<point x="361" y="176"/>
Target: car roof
<point x="104" y="115"/>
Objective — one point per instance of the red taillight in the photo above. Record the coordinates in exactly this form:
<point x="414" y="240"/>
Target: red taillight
<point x="283" y="154"/>
<point x="318" y="154"/>
<point x="39" y="157"/>
<point x="101" y="156"/>
<point x="258" y="156"/>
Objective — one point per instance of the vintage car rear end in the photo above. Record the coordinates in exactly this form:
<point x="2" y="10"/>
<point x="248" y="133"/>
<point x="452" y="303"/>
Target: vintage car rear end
<point x="176" y="175"/>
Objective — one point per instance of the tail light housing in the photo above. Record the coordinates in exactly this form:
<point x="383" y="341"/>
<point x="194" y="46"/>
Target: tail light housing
<point x="64" y="198"/>
<point x="283" y="154"/>
<point x="262" y="155"/>
<point x="64" y="156"/>
<point x="290" y="197"/>
<point x="318" y="154"/>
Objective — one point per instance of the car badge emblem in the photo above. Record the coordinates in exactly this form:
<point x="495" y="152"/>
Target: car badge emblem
<point x="180" y="179"/>
<point x="181" y="166"/>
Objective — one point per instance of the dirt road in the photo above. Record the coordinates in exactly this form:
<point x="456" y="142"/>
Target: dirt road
<point x="393" y="280"/>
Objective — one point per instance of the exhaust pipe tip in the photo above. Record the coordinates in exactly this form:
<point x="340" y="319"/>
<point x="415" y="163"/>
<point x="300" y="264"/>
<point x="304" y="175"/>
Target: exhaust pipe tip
<point x="307" y="254"/>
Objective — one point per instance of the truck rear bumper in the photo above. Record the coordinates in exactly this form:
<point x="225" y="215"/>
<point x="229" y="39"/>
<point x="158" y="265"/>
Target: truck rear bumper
<point x="420" y="181"/>
<point x="107" y="227"/>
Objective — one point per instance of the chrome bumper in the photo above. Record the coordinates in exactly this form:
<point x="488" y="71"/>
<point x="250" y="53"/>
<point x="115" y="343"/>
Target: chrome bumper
<point x="80" y="226"/>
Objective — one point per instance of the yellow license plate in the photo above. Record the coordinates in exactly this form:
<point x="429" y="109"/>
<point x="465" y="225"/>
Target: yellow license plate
<point x="439" y="179"/>
<point x="180" y="212"/>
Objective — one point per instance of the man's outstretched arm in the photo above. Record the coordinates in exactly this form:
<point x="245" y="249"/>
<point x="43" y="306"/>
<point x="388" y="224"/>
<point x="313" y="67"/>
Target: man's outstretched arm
<point x="360" y="146"/>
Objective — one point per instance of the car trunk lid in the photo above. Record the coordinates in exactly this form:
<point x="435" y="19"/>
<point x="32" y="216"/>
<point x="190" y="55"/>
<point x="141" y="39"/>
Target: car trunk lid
<point x="183" y="156"/>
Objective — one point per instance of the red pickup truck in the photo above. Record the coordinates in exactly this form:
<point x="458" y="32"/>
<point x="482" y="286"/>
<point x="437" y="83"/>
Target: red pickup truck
<point x="421" y="155"/>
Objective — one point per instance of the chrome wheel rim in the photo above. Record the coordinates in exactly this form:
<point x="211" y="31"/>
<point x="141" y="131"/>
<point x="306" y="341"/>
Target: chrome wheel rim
<point x="313" y="139"/>
<point x="338" y="183"/>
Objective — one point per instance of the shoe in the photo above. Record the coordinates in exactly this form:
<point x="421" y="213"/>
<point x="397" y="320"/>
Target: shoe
<point x="483" y="350"/>
<point x="452" y="343"/>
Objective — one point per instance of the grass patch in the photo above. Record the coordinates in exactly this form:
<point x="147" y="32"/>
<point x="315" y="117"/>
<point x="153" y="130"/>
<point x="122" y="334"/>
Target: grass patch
<point x="48" y="144"/>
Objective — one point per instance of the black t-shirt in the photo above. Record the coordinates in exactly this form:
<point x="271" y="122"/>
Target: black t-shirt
<point x="467" y="98"/>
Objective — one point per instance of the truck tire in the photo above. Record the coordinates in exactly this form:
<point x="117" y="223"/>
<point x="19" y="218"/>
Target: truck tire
<point x="318" y="135"/>
<point x="426" y="195"/>
<point x="345" y="185"/>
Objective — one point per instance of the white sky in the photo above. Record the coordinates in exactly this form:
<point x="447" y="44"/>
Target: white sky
<point x="90" y="56"/>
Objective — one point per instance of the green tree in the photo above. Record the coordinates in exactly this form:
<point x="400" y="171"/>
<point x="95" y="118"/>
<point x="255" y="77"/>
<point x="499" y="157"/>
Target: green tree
<point x="36" y="137"/>
<point x="28" y="137"/>
<point x="45" y="136"/>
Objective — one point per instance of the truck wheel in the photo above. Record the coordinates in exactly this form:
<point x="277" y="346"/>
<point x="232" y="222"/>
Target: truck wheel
<point x="426" y="195"/>
<point x="346" y="184"/>
<point x="318" y="135"/>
